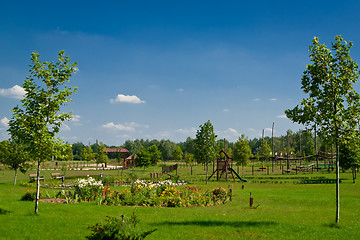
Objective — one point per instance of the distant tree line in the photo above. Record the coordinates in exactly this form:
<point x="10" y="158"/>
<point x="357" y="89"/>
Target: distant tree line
<point x="301" y="143"/>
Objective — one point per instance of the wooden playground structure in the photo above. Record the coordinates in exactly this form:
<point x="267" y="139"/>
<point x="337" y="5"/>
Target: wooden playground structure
<point x="223" y="167"/>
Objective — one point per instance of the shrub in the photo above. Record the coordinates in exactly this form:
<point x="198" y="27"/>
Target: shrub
<point x="30" y="196"/>
<point x="116" y="229"/>
<point x="220" y="195"/>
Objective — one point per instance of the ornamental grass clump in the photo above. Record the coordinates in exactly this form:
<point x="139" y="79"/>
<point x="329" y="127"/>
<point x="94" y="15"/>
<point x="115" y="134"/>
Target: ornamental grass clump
<point x="88" y="189"/>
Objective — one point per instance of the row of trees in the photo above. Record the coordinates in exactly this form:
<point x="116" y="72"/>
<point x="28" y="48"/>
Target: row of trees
<point x="300" y="143"/>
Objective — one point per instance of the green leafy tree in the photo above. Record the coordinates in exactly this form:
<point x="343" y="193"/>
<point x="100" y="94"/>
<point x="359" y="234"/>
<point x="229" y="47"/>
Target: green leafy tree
<point x="332" y="105"/>
<point x="177" y="153"/>
<point x="242" y="151"/>
<point x="350" y="156"/>
<point x="189" y="160"/>
<point x="87" y="154"/>
<point x="266" y="150"/>
<point x="143" y="158"/>
<point x="101" y="156"/>
<point x="188" y="145"/>
<point x="167" y="148"/>
<point x="132" y="146"/>
<point x="66" y="153"/>
<point x="38" y="120"/>
<point x="205" y="140"/>
<point x="77" y="148"/>
<point x="307" y="143"/>
<point x="155" y="155"/>
<point x="15" y="156"/>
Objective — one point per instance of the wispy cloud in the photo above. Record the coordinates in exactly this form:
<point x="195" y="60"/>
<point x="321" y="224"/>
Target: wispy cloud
<point x="273" y="99"/>
<point x="121" y="98"/>
<point x="16" y="92"/>
<point x="226" y="110"/>
<point x="76" y="120"/>
<point x="256" y="99"/>
<point x="127" y="127"/>
<point x="64" y="127"/>
<point x="282" y="116"/>
<point x="268" y="130"/>
<point x="187" y="132"/>
<point x="180" y="90"/>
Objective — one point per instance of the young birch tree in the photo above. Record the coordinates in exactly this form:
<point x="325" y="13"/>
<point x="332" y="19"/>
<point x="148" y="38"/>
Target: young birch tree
<point x="332" y="105"/>
<point x="38" y="119"/>
<point x="205" y="145"/>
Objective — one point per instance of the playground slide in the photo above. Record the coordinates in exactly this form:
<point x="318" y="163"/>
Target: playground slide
<point x="242" y="179"/>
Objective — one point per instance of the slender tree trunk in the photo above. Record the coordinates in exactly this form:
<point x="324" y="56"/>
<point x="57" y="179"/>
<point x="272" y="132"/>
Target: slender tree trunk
<point x="337" y="187"/>
<point x="15" y="176"/>
<point x="207" y="173"/>
<point x="37" y="187"/>
<point x="354" y="174"/>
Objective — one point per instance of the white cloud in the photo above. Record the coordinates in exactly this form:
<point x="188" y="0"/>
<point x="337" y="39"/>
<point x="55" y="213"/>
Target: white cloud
<point x="65" y="128"/>
<point x="226" y="110"/>
<point x="75" y="118"/>
<point x="121" y="98"/>
<point x="256" y="100"/>
<point x="232" y="131"/>
<point x="273" y="99"/>
<point x="180" y="90"/>
<point x="4" y="122"/>
<point x="282" y="116"/>
<point x="16" y="92"/>
<point x="187" y="132"/>
<point x="268" y="129"/>
<point x="128" y="127"/>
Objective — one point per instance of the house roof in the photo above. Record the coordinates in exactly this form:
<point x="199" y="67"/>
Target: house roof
<point x="116" y="150"/>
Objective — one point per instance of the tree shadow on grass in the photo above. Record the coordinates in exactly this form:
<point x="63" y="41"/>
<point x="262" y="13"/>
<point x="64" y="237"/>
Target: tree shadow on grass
<point x="236" y="224"/>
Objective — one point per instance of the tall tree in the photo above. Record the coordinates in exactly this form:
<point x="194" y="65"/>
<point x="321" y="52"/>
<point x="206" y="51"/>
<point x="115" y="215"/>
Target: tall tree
<point x="266" y="150"/>
<point x="77" y="148"/>
<point x="101" y="156"/>
<point x="189" y="160"/>
<point x="15" y="156"/>
<point x="87" y="154"/>
<point x="177" y="153"/>
<point x="155" y="155"/>
<point x="332" y="105"/>
<point x="242" y="151"/>
<point x="205" y="145"/>
<point x="143" y="158"/>
<point x="66" y="153"/>
<point x="38" y="120"/>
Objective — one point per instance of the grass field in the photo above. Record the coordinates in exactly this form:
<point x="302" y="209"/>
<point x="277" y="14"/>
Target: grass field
<point x="287" y="210"/>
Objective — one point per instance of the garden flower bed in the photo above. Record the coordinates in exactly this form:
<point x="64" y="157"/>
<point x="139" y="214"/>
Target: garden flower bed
<point x="146" y="193"/>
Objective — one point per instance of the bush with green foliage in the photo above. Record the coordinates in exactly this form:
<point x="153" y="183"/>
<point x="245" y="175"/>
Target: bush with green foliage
<point x="116" y="229"/>
<point x="30" y="196"/>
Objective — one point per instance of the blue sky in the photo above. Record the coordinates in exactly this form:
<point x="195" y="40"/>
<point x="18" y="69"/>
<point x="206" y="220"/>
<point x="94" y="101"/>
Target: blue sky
<point x="159" y="69"/>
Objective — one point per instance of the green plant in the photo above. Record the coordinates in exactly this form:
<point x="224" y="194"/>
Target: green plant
<point x="116" y="228"/>
<point x="88" y="189"/>
<point x="30" y="196"/>
<point x="220" y="195"/>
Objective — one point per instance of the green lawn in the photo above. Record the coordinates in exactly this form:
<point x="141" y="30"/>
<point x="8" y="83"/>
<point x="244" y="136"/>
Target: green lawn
<point x="287" y="210"/>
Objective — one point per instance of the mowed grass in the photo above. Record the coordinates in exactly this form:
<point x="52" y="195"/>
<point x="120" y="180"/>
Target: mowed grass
<point x="286" y="211"/>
